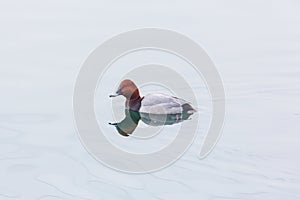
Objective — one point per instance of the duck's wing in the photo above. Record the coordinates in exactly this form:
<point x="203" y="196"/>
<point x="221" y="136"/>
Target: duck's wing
<point x="162" y="104"/>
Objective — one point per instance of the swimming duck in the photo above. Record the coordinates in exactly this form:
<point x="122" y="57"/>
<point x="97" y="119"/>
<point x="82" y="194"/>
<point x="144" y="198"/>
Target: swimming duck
<point x="155" y="103"/>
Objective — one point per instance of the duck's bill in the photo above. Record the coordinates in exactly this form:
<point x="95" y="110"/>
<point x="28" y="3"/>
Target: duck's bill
<point x="114" y="95"/>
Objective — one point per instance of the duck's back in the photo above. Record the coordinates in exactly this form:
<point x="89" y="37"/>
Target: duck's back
<point x="164" y="104"/>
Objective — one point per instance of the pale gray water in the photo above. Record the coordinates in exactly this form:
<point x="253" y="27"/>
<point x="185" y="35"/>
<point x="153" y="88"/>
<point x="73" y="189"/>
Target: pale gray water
<point x="255" y="46"/>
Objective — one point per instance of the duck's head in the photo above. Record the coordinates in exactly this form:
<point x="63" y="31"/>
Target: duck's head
<point x="128" y="89"/>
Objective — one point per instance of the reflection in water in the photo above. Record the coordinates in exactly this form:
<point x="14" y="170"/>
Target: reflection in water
<point x="132" y="118"/>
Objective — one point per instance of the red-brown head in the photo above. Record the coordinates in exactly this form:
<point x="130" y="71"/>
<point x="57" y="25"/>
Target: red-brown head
<point x="128" y="89"/>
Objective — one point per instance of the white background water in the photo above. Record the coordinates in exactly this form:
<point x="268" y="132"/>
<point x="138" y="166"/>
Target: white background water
<point x="255" y="46"/>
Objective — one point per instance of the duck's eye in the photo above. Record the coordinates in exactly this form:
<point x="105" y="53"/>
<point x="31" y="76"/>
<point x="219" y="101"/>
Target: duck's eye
<point x="119" y="92"/>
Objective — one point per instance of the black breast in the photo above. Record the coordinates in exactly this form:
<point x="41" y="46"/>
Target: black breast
<point x="134" y="104"/>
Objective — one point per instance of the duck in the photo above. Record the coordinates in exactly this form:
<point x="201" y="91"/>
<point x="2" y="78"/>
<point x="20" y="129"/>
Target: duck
<point x="153" y="103"/>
